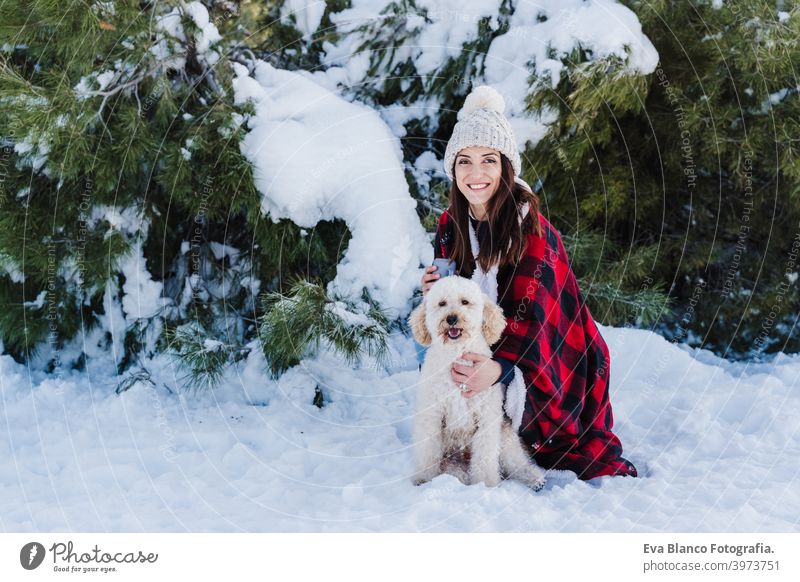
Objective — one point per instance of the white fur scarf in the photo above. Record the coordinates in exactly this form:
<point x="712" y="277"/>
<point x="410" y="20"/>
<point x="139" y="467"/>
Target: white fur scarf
<point x="487" y="280"/>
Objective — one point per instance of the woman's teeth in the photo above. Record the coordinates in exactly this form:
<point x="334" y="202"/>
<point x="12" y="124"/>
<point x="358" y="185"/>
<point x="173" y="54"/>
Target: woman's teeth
<point x="478" y="186"/>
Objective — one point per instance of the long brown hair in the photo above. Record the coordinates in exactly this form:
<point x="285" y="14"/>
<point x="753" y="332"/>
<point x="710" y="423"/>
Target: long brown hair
<point x="504" y="226"/>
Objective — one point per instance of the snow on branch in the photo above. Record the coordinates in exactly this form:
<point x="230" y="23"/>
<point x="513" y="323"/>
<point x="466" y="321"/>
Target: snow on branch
<point x="318" y="157"/>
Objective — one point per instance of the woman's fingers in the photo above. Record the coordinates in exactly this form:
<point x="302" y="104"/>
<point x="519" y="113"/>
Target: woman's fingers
<point x="459" y="376"/>
<point x="429" y="278"/>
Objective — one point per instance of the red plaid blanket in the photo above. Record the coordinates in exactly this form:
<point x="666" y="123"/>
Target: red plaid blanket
<point x="553" y="340"/>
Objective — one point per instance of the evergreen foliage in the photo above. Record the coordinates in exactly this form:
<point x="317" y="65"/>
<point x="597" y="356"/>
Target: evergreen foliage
<point x="130" y="223"/>
<point x="306" y="317"/>
<point x="686" y="179"/>
<point x="693" y="170"/>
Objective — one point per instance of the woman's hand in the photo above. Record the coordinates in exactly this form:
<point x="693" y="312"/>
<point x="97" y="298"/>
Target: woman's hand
<point x="429" y="278"/>
<point x="483" y="374"/>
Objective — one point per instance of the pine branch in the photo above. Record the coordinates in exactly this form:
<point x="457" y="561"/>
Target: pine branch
<point x="613" y="305"/>
<point x="202" y="358"/>
<point x="295" y="325"/>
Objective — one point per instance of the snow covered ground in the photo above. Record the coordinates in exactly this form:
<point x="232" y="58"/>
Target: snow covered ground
<point x="717" y="444"/>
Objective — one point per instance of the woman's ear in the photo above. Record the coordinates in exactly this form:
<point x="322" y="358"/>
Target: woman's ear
<point x="494" y="322"/>
<point x="418" y="327"/>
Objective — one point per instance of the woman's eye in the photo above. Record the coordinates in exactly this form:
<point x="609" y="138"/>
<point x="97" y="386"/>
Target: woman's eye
<point x="491" y="160"/>
<point x="442" y="303"/>
<point x="462" y="162"/>
<point x="464" y="302"/>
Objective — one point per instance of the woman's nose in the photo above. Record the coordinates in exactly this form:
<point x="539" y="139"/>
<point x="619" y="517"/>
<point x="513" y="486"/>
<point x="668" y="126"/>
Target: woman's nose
<point x="476" y="171"/>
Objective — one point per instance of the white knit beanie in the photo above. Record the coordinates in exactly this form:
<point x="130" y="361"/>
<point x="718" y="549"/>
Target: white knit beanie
<point x="481" y="123"/>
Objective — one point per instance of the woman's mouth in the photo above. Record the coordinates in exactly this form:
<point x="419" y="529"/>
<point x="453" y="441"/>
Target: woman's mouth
<point x="480" y="186"/>
<point x="454" y="332"/>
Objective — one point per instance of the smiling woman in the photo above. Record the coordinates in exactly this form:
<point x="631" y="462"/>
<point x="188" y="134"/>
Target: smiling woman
<point x="478" y="172"/>
<point x="551" y="359"/>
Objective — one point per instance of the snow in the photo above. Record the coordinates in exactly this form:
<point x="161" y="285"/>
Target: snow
<point x="454" y="23"/>
<point x="396" y="116"/>
<point x="539" y="35"/>
<point x="38" y="303"/>
<point x="539" y="29"/>
<point x="141" y="295"/>
<point x="173" y="34"/>
<point x="208" y="34"/>
<point x="170" y="23"/>
<point x="93" y="82"/>
<point x="220" y="250"/>
<point x="426" y="166"/>
<point x="715" y="443"/>
<point x="127" y="220"/>
<point x="778" y="96"/>
<point x="11" y="269"/>
<point x="342" y="311"/>
<point x="212" y="345"/>
<point x="307" y="14"/>
<point x="318" y="157"/>
<point x="30" y="154"/>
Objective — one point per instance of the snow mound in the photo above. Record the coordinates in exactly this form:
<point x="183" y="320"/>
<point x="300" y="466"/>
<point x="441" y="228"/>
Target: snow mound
<point x="318" y="157"/>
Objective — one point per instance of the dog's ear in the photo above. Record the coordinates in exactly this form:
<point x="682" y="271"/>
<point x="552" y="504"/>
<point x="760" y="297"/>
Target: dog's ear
<point x="418" y="328"/>
<point x="494" y="322"/>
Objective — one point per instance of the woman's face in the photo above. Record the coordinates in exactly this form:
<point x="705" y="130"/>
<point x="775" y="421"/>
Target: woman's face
<point x="477" y="174"/>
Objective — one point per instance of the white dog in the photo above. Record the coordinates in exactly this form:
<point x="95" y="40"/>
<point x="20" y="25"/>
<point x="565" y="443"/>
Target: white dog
<point x="455" y="317"/>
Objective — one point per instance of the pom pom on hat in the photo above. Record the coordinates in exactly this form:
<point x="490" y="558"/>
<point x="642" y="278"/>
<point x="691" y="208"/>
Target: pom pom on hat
<point x="483" y="97"/>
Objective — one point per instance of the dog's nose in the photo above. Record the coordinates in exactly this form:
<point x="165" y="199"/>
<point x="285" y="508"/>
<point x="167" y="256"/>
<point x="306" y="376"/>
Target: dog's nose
<point x="452" y="319"/>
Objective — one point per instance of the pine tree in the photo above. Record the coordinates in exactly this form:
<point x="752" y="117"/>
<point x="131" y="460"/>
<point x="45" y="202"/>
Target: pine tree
<point x="698" y="167"/>
<point x="130" y="223"/>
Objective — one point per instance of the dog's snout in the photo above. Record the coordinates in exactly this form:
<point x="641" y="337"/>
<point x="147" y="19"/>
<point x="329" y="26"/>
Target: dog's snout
<point x="452" y="319"/>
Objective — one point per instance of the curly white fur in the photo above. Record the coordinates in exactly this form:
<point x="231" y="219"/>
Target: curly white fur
<point x="447" y="424"/>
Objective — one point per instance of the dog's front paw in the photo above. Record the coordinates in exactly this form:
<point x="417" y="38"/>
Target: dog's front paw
<point x="490" y="479"/>
<point x="423" y="477"/>
<point x="538" y="484"/>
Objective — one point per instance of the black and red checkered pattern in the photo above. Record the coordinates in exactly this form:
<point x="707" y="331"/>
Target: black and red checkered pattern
<point x="552" y="338"/>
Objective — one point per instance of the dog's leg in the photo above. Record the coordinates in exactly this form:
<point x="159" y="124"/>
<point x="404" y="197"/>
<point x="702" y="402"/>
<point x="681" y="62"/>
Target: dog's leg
<point x="428" y="445"/>
<point x="484" y="465"/>
<point x="516" y="463"/>
<point x="456" y="466"/>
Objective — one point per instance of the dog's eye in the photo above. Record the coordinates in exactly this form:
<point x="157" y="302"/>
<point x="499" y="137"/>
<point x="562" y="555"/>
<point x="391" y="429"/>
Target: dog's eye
<point x="442" y="303"/>
<point x="464" y="302"/>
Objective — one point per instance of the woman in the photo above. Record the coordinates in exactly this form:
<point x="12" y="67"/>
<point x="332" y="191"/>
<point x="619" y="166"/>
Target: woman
<point x="551" y="360"/>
